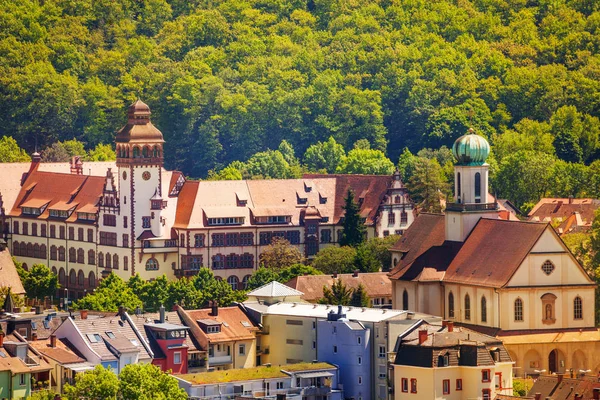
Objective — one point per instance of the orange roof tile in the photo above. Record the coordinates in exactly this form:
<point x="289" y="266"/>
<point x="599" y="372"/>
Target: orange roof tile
<point x="232" y="319"/>
<point x="377" y="284"/>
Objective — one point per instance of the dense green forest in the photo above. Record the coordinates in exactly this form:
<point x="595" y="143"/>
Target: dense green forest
<point x="229" y="79"/>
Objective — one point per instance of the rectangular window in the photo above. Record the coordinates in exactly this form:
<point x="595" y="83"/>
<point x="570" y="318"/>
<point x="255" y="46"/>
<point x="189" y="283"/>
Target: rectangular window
<point x="242" y="350"/>
<point x="403" y="218"/>
<point x="404" y="385"/>
<point x="486" y="394"/>
<point x="52" y="231"/>
<point x="80" y="234"/>
<point x="312" y="247"/>
<point x="43" y="230"/>
<point x="232" y="239"/>
<point x="294" y="341"/>
<point x="124" y="222"/>
<point x="177" y="357"/>
<point x="62" y="232"/>
<point x="226" y="221"/>
<point x="485" y="375"/>
<point x="246" y="239"/>
<point x="71" y="233"/>
<point x="146" y="222"/>
<point x="359" y="360"/>
<point x="325" y="235"/>
<point x="459" y="384"/>
<point x="265" y="238"/>
<point x="22" y="379"/>
<point x="246" y="261"/>
<point x="198" y="240"/>
<point x="382" y="372"/>
<point x="360" y="380"/>
<point x="218" y="239"/>
<point x="108" y="238"/>
<point x="311" y="229"/>
<point x="293" y="237"/>
<point x="110" y="220"/>
<point x="382" y="352"/>
<point x="293" y="322"/>
<point x="125" y="240"/>
<point x="25" y="228"/>
<point x="16" y="227"/>
<point x="34" y="229"/>
<point x="334" y="349"/>
<point x="446" y="386"/>
<point x="413" y="385"/>
<point x="391" y="218"/>
<point x="90" y="235"/>
<point x="279" y="385"/>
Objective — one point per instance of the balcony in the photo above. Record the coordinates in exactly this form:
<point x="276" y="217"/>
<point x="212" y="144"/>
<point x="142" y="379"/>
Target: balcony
<point x="316" y="391"/>
<point x="220" y="360"/>
<point x="160" y="246"/>
<point x="460" y="207"/>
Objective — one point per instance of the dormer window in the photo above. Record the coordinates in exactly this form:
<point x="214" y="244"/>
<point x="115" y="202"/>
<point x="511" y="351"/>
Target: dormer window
<point x="307" y="187"/>
<point x="213" y="329"/>
<point x="31" y="211"/>
<point x="322" y="199"/>
<point x="226" y="221"/>
<point x="59" y="213"/>
<point x="209" y="325"/>
<point x="301" y="200"/>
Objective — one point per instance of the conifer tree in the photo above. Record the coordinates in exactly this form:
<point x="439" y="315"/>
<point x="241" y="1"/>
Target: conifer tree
<point x="354" y="230"/>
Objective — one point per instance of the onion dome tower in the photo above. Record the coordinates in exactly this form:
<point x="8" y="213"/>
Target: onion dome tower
<point x="471" y="186"/>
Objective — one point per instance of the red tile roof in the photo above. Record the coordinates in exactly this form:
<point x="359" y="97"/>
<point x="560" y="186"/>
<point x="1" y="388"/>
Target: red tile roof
<point x="64" y="191"/>
<point x="377" y="284"/>
<point x="575" y="214"/>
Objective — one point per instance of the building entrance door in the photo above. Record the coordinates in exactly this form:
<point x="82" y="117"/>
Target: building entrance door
<point x="553" y="361"/>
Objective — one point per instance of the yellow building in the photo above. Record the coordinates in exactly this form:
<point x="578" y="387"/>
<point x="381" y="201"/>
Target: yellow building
<point x="452" y="363"/>
<point x="515" y="280"/>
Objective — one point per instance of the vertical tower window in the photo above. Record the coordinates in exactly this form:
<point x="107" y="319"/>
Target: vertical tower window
<point x="577" y="308"/>
<point x="518" y="310"/>
<point x="467" y="307"/>
<point x="477" y="187"/>
<point x="458" y="188"/>
<point x="483" y="309"/>
<point x="451" y="305"/>
<point x="405" y="300"/>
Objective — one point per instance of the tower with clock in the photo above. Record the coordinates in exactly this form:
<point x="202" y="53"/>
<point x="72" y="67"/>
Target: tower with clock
<point x="139" y="147"/>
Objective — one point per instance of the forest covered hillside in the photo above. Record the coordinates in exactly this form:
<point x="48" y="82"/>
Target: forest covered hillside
<point x="228" y="79"/>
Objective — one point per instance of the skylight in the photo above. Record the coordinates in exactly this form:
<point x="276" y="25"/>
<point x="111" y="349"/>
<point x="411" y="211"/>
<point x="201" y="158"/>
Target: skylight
<point x="246" y="324"/>
<point x="91" y="337"/>
<point x="225" y="324"/>
<point x="134" y="342"/>
<point x="110" y="334"/>
<point x="46" y="324"/>
<point x="2" y="354"/>
<point x="33" y="325"/>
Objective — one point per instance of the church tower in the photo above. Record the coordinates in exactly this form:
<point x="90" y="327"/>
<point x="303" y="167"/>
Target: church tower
<point x="470" y="187"/>
<point x="139" y="146"/>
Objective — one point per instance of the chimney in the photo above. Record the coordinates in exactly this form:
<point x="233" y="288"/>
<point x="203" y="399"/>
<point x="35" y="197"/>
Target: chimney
<point x="76" y="165"/>
<point x="122" y="312"/>
<point x="444" y="323"/>
<point x="578" y="396"/>
<point x="1" y="338"/>
<point x="214" y="309"/>
<point x="33" y="336"/>
<point x="355" y="273"/>
<point x="422" y="336"/>
<point x="83" y="314"/>
<point x="596" y="393"/>
<point x="450" y="326"/>
<point x="334" y="275"/>
<point x="571" y="199"/>
<point x="161" y="312"/>
<point x="53" y="340"/>
<point x="538" y="396"/>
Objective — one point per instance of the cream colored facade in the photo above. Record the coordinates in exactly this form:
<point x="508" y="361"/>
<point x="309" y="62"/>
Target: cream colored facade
<point x="232" y="355"/>
<point x="430" y="382"/>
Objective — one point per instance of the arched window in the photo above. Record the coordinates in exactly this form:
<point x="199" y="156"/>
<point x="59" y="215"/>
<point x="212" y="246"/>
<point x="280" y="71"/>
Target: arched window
<point x="548" y="301"/>
<point x="397" y="199"/>
<point x="30" y="252"/>
<point x="72" y="255"/>
<point x="108" y="261"/>
<point x="577" y="308"/>
<point x="43" y="251"/>
<point x="91" y="257"/>
<point x="23" y="249"/>
<point x="405" y="300"/>
<point x="61" y="253"/>
<point x="101" y="260"/>
<point x="115" y="261"/>
<point x="80" y="256"/>
<point x="458" y="188"/>
<point x="245" y="282"/>
<point x="54" y="271"/>
<point x="92" y="279"/>
<point x="548" y="267"/>
<point x="477" y="187"/>
<point x="16" y="250"/>
<point x="145" y="152"/>
<point x="53" y="252"/>
<point x="451" y="305"/>
<point x="152" y="264"/>
<point x="61" y="276"/>
<point x="80" y="278"/>
<point x="36" y="251"/>
<point x="467" y="307"/>
<point x="155" y="152"/>
<point x="72" y="277"/>
<point x="136" y="152"/>
<point x="233" y="282"/>
<point x="483" y="309"/>
<point x="125" y="263"/>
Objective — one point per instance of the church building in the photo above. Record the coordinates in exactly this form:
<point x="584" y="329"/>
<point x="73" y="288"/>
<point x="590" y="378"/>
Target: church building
<point x="510" y="279"/>
<point x="86" y="220"/>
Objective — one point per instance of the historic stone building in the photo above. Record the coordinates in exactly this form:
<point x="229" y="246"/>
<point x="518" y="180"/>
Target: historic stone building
<point x="85" y="220"/>
<point x="514" y="280"/>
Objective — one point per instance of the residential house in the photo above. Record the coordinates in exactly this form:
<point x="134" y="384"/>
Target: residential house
<point x="448" y="362"/>
<point x="563" y="387"/>
<point x="514" y="280"/>
<point x="20" y="369"/>
<point x="108" y="340"/>
<point x="225" y="333"/>
<point x="566" y="215"/>
<point x="290" y="331"/>
<point x="378" y="286"/>
<point x="306" y="381"/>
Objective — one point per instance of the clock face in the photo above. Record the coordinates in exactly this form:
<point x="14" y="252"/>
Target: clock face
<point x="146" y="175"/>
<point x="124" y="175"/>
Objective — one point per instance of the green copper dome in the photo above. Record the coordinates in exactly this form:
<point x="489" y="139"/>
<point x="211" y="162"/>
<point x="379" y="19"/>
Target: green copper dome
<point x="471" y="149"/>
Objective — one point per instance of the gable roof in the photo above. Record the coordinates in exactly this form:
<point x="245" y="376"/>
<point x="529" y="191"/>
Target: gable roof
<point x="9" y="277"/>
<point x="140" y="321"/>
<point x="235" y="325"/>
<point x="275" y="289"/>
<point x="377" y="284"/>
<point x="493" y="251"/>
<point x="574" y="214"/>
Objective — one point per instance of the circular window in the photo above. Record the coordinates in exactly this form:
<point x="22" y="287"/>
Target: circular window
<point x="146" y="175"/>
<point x="124" y="175"/>
<point x="548" y="267"/>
